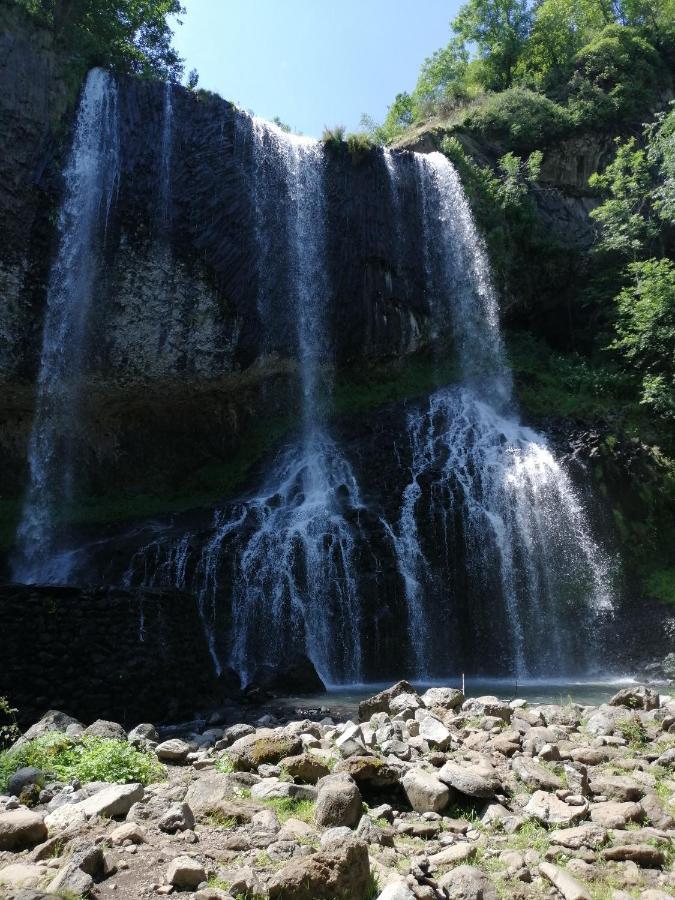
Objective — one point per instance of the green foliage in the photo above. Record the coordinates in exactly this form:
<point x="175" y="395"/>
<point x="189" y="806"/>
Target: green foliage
<point x="282" y="125"/>
<point x="498" y="29"/>
<point x="646" y="331"/>
<point x="292" y="808"/>
<point x="130" y="36"/>
<point x="224" y="765"/>
<point x="623" y="221"/>
<point x="519" y="117"/>
<point x="9" y="728"/>
<point x="633" y="731"/>
<point x="192" y="80"/>
<point x="660" y="584"/>
<point x="616" y="78"/>
<point x="359" y="146"/>
<point x="661" y="154"/>
<point x="91" y="759"/>
<point x="441" y="85"/>
<point x="333" y="138"/>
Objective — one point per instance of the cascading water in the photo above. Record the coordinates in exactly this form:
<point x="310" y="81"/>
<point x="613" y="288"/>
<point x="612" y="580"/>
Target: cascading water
<point x="166" y="151"/>
<point x="294" y="585"/>
<point x="91" y="177"/>
<point x="500" y="510"/>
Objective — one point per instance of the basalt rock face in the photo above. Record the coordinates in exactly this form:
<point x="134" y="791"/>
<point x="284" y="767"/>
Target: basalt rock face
<point x="120" y="655"/>
<point x="176" y="352"/>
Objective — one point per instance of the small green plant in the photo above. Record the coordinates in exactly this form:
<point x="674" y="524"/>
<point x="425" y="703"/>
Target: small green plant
<point x="224" y="765"/>
<point x="359" y="146"/>
<point x="292" y="808"/>
<point x="91" y="759"/>
<point x="334" y="138"/>
<point x="9" y="728"/>
<point x="218" y="819"/>
<point x="633" y="731"/>
<point x="216" y="882"/>
<point x="531" y="835"/>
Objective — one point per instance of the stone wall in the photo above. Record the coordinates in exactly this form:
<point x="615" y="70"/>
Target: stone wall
<point x="103" y="653"/>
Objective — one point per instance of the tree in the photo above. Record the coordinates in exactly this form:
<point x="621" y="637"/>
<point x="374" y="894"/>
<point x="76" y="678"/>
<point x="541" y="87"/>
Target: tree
<point x="499" y="29"/>
<point x="624" y="220"/>
<point x="192" y="80"/>
<point x="400" y="115"/>
<point x="560" y="28"/>
<point x="646" y="331"/>
<point x="130" y="36"/>
<point x="441" y="79"/>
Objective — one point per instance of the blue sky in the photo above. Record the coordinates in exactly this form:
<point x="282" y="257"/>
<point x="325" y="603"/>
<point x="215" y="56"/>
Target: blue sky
<point x="312" y="62"/>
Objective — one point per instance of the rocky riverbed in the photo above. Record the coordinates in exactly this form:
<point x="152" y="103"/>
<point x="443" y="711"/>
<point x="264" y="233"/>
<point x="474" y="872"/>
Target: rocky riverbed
<point x="428" y="797"/>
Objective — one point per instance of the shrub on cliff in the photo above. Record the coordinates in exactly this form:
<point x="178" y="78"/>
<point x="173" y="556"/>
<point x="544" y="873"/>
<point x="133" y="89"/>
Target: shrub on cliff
<point x="91" y="759"/>
<point x="520" y="118"/>
<point x="618" y="77"/>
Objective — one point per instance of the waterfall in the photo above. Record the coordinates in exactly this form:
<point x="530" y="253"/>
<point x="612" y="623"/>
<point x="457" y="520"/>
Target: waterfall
<point x="91" y="177"/>
<point x="165" y="157"/>
<point x="483" y="481"/>
<point x="291" y="546"/>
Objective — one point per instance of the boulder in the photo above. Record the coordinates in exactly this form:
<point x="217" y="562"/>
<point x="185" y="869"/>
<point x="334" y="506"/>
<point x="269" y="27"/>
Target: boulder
<point x="442" y="698"/>
<point x="535" y="776"/>
<point x="53" y="720"/>
<point x="23" y="778"/>
<point x="338" y="802"/>
<point x="562" y="881"/>
<point x="398" y="890"/>
<point x="185" y="872"/>
<point x="546" y="808"/>
<point x="425" y="792"/>
<point x="616" y="787"/>
<point x="72" y="880"/>
<point x="274" y="789"/>
<point x="592" y="836"/>
<point x="370" y="772"/>
<point x="21" y="875"/>
<point x="452" y="855"/>
<point x="107" y="730"/>
<point x="264" y="746"/>
<point x="467" y="883"/>
<point x="21" y="828"/>
<point x="380" y="702"/>
<point x="179" y="817"/>
<point x="472" y="779"/>
<point x="112" y="801"/>
<point x="613" y="814"/>
<point x="305" y="767"/>
<point x="638" y="697"/>
<point x="142" y="733"/>
<point x="405" y="705"/>
<point x="341" y="871"/>
<point x="435" y="733"/>
<point x="209" y="791"/>
<point x="173" y="751"/>
<point x="129" y="831"/>
<point x="351" y="742"/>
<point x="643" y="855"/>
<point x="488" y="706"/>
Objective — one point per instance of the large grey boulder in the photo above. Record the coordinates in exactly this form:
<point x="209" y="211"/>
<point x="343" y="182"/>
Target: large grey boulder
<point x="425" y="792"/>
<point x="264" y="746"/>
<point x="534" y="775"/>
<point x="442" y="698"/>
<point x="107" y="730"/>
<point x="467" y="883"/>
<point x="185" y="873"/>
<point x="564" y="882"/>
<point x="616" y="787"/>
<point x="21" y="828"/>
<point x="53" y="720"/>
<point x="637" y="697"/>
<point x="173" y="751"/>
<point x="546" y="808"/>
<point x="380" y="702"/>
<point x="24" y="777"/>
<point x="339" y="802"/>
<point x="339" y="871"/>
<point x="487" y="706"/>
<point x="472" y="779"/>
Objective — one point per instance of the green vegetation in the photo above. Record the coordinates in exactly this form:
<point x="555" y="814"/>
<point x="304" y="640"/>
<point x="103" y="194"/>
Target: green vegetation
<point x="9" y="729"/>
<point x="91" y="759"/>
<point x="660" y="584"/>
<point x="129" y="36"/>
<point x="292" y="808"/>
<point x="554" y="67"/>
<point x="633" y="731"/>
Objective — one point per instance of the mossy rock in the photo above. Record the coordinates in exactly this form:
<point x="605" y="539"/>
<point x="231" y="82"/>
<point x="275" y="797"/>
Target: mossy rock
<point x="253" y="750"/>
<point x="371" y="771"/>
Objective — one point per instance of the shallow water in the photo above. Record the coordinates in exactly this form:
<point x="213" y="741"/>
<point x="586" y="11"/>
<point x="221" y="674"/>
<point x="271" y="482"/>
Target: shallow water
<point x="346" y="698"/>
